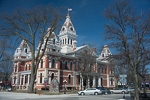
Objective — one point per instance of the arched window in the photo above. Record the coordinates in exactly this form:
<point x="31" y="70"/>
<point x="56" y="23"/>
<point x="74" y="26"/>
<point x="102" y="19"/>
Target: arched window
<point x="15" y="68"/>
<point x="53" y="41"/>
<point x="52" y="76"/>
<point x="66" y="65"/>
<point x="26" y="79"/>
<point x="102" y="55"/>
<point x="69" y="79"/>
<point x="41" y="63"/>
<point x="53" y="63"/>
<point x="29" y="66"/>
<point x="65" y="41"/>
<point x="40" y="77"/>
<point x="25" y="50"/>
<point x="98" y="69"/>
<point x="101" y="81"/>
<point x="68" y="41"/>
<point x="105" y="70"/>
<point x="102" y="69"/>
<point x="70" y="65"/>
<point x="71" y="41"/>
<point x="26" y="67"/>
<point x="111" y="81"/>
<point x="60" y="64"/>
<point x="15" y="80"/>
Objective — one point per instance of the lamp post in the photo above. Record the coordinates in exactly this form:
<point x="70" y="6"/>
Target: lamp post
<point x="65" y="86"/>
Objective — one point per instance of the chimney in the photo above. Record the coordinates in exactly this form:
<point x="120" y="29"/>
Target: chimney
<point x="74" y="45"/>
<point x="94" y="49"/>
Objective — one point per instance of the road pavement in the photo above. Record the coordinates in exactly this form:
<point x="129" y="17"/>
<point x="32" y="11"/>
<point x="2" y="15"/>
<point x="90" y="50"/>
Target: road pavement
<point x="26" y="96"/>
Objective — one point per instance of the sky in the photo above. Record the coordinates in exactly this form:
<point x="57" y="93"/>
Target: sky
<point x="86" y="16"/>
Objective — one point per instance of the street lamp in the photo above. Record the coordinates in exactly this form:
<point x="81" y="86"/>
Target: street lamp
<point x="65" y="86"/>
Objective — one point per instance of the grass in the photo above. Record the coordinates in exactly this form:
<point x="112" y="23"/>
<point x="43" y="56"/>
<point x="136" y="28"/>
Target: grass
<point x="46" y="92"/>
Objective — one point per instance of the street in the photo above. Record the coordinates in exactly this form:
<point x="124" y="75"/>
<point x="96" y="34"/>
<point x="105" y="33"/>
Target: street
<point x="26" y="96"/>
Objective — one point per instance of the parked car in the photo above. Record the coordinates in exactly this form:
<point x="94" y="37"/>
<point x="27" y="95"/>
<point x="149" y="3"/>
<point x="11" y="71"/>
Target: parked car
<point x="104" y="91"/>
<point x="9" y="88"/>
<point x="130" y="90"/>
<point x="89" y="91"/>
<point x="119" y="90"/>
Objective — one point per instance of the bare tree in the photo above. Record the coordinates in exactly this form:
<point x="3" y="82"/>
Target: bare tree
<point x="129" y="34"/>
<point x="29" y="24"/>
<point x="87" y="60"/>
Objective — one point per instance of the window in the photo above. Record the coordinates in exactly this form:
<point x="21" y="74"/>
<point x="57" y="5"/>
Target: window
<point x="53" y="63"/>
<point x="52" y="76"/>
<point x="53" y="49"/>
<point x="101" y="81"/>
<point x="105" y="70"/>
<point x="26" y="67"/>
<point x="29" y="66"/>
<point x="70" y="65"/>
<point x="102" y="55"/>
<point x="71" y="41"/>
<point x="53" y="41"/>
<point x="40" y="77"/>
<point x="16" y="68"/>
<point x="65" y="41"/>
<point x="60" y="64"/>
<point x="25" y="50"/>
<point x="41" y="63"/>
<point x="66" y="65"/>
<point x="102" y="69"/>
<point x="26" y="79"/>
<point x="15" y="80"/>
<point x="69" y="79"/>
<point x="68" y="41"/>
<point x="111" y="81"/>
<point x="98" y="69"/>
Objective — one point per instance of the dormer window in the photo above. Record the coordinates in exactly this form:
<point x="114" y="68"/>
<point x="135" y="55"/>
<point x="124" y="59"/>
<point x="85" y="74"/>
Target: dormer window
<point x="63" y="29"/>
<point x="53" y="41"/>
<point x="25" y="50"/>
<point x="71" y="29"/>
<point x="102" y="55"/>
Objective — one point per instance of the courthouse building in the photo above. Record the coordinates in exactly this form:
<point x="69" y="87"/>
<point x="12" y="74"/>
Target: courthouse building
<point x="61" y="61"/>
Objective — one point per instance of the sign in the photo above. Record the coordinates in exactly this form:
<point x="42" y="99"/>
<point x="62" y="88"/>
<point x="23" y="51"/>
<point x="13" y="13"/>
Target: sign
<point x="45" y="83"/>
<point x="123" y="75"/>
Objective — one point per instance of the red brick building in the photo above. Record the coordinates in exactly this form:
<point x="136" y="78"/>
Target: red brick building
<point x="61" y="60"/>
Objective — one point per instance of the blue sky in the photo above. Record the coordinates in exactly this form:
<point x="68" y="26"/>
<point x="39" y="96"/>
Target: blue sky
<point x="87" y="15"/>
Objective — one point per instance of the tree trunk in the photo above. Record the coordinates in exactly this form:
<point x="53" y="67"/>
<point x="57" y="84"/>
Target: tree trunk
<point x="145" y="95"/>
<point x="136" y="97"/>
<point x="33" y="74"/>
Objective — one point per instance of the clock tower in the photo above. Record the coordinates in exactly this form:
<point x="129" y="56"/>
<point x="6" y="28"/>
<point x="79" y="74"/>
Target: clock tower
<point x="67" y="36"/>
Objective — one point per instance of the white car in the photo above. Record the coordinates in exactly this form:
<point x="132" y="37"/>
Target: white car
<point x="89" y="91"/>
<point x="119" y="91"/>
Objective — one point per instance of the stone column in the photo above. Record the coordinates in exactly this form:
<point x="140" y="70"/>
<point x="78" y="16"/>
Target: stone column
<point x="28" y="78"/>
<point x="20" y="79"/>
<point x="93" y="81"/>
<point x="88" y="82"/>
<point x="99" y="81"/>
<point x="24" y="80"/>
